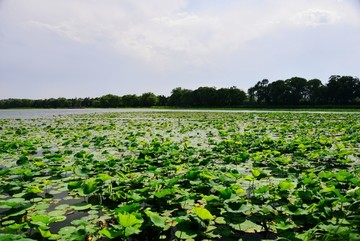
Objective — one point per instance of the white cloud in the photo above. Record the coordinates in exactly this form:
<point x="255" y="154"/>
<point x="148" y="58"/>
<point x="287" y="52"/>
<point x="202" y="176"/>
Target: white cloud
<point x="315" y="17"/>
<point x="166" y="32"/>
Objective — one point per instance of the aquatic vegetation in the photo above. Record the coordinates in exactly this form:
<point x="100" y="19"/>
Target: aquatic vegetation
<point x="181" y="176"/>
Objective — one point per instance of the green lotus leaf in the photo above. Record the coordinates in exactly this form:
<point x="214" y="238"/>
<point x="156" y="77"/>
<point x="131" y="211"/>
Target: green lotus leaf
<point x="45" y="233"/>
<point x="86" y="144"/>
<point x="220" y="220"/>
<point x="41" y="219"/>
<point x="203" y="213"/>
<point x="127" y="208"/>
<point x="67" y="231"/>
<point x="14" y="228"/>
<point x="81" y="172"/>
<point x="104" y="177"/>
<point x="74" y="185"/>
<point x="36" y="199"/>
<point x="42" y="206"/>
<point x="56" y="213"/>
<point x="156" y="219"/>
<point x="62" y="207"/>
<point x="225" y="193"/>
<point x="8" y="222"/>
<point x="284" y="225"/>
<point x="163" y="193"/>
<point x="81" y="206"/>
<point x="110" y="233"/>
<point x="131" y="230"/>
<point x="13" y="237"/>
<point x="13" y="202"/>
<point x="59" y="218"/>
<point x="80" y="222"/>
<point x="129" y="220"/>
<point x="250" y="227"/>
<point x="23" y="160"/>
<point x="89" y="186"/>
<point x="286" y="185"/>
<point x="34" y="189"/>
<point x="189" y="236"/>
<point x="257" y="173"/>
<point x="325" y="174"/>
<point x="187" y="204"/>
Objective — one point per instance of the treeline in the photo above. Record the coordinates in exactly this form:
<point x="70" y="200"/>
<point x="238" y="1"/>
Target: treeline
<point x="201" y="97"/>
<point x="294" y="92"/>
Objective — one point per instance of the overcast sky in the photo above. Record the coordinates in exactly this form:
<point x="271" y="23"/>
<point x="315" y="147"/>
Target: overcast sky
<point x="89" y="48"/>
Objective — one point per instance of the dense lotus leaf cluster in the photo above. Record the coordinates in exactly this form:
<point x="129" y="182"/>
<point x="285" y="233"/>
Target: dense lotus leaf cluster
<point x="181" y="176"/>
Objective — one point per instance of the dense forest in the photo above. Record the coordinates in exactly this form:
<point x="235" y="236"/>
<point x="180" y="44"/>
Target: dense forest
<point x="294" y="92"/>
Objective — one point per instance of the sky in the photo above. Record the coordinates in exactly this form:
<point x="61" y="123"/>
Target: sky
<point x="90" y="48"/>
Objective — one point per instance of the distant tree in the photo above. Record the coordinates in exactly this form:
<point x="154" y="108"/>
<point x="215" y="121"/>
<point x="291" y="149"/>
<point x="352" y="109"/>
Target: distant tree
<point x="230" y="97"/>
<point x="75" y="103"/>
<point x="87" y="102"/>
<point x="62" y="103"/>
<point x="342" y="89"/>
<point x="181" y="97"/>
<point x="295" y="90"/>
<point x="96" y="103"/>
<point x="38" y="104"/>
<point x="110" y="101"/>
<point x="162" y="100"/>
<point x="277" y="90"/>
<point x="260" y="92"/>
<point x="205" y="97"/>
<point x="314" y="92"/>
<point x="130" y="100"/>
<point x="148" y="99"/>
<point x="16" y="103"/>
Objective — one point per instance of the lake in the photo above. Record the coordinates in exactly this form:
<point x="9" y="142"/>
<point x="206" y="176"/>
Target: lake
<point x="49" y="113"/>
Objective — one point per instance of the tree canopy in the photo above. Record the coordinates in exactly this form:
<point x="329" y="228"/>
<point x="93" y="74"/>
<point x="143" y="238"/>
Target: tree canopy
<point x="296" y="91"/>
<point x="292" y="92"/>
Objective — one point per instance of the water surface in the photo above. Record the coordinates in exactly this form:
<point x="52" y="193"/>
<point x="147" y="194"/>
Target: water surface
<point x="49" y="113"/>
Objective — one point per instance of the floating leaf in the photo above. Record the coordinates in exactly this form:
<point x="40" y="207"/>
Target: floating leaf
<point x="249" y="226"/>
<point x="156" y="219"/>
<point x="110" y="233"/>
<point x="189" y="236"/>
<point x="284" y="225"/>
<point x="74" y="185"/>
<point x="89" y="186"/>
<point x="13" y="202"/>
<point x="286" y="185"/>
<point x="45" y="233"/>
<point x="68" y="230"/>
<point x="131" y="230"/>
<point x="163" y="193"/>
<point x="33" y="189"/>
<point x="81" y="206"/>
<point x="258" y="174"/>
<point x="56" y="213"/>
<point x="225" y="193"/>
<point x="203" y="213"/>
<point x="220" y="220"/>
<point x="104" y="177"/>
<point x="41" y="219"/>
<point x="129" y="220"/>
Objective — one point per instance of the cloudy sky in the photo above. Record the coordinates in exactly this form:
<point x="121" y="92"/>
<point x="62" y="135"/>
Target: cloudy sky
<point x="89" y="48"/>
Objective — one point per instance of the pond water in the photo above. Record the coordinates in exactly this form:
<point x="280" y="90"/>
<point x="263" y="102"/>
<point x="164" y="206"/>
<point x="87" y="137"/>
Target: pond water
<point x="48" y="113"/>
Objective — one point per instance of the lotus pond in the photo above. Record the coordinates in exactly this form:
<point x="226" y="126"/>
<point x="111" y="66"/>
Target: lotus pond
<point x="181" y="176"/>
